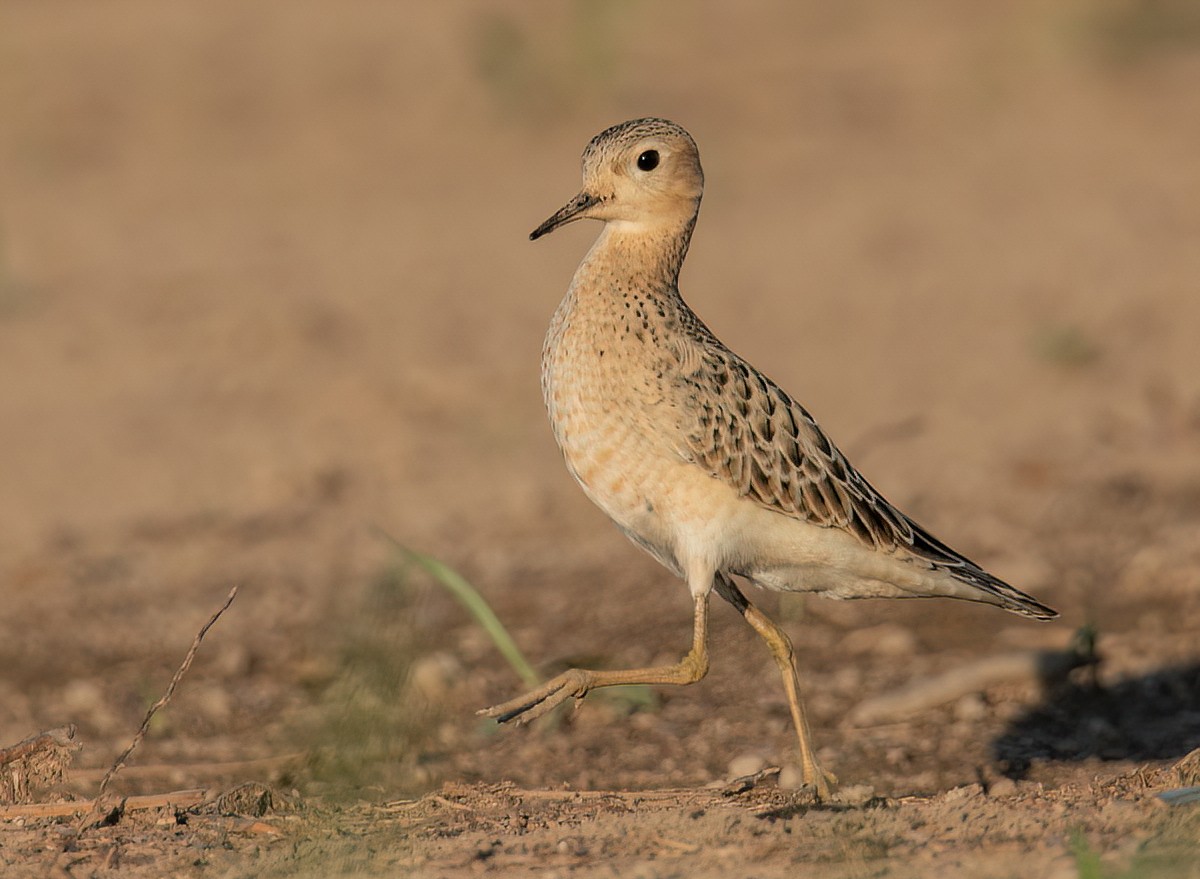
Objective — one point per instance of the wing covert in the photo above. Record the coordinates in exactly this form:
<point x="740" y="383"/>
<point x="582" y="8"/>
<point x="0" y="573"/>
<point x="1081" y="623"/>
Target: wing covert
<point x="749" y="433"/>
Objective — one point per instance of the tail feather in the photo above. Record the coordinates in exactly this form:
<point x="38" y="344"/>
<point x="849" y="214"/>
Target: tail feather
<point x="992" y="589"/>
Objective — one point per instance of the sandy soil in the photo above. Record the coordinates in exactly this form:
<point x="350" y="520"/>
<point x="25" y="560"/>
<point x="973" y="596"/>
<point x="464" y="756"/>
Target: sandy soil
<point x="265" y="297"/>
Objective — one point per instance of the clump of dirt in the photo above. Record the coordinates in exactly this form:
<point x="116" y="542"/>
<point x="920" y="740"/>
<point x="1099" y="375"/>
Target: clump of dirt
<point x="36" y="762"/>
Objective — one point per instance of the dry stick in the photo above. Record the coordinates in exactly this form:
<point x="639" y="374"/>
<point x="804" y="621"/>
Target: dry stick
<point x="179" y="798"/>
<point x="163" y="700"/>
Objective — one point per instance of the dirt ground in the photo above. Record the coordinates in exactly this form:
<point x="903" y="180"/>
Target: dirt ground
<point x="267" y="303"/>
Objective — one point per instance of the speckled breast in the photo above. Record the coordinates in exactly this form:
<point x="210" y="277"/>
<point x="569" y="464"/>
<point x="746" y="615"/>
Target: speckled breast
<point x="603" y="388"/>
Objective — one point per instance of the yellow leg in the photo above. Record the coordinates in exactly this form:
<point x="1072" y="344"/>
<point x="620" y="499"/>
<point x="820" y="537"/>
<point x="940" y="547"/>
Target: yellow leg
<point x="785" y="659"/>
<point x="576" y="682"/>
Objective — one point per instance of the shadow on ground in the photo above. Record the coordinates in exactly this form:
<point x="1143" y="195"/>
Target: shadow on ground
<point x="1155" y="716"/>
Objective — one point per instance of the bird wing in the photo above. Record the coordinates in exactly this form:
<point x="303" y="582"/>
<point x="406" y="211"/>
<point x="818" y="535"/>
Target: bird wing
<point x="746" y="431"/>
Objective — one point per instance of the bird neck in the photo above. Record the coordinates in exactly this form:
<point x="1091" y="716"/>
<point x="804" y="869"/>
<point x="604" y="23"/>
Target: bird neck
<point x="645" y="256"/>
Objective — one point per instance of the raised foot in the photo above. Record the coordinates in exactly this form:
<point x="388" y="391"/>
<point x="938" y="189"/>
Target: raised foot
<point x="572" y="683"/>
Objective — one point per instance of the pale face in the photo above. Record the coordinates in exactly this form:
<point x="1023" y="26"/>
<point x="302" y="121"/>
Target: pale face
<point x="641" y="174"/>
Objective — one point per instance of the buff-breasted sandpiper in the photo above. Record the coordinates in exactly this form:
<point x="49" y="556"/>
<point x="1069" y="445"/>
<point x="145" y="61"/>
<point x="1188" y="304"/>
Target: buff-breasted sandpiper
<point x="698" y="457"/>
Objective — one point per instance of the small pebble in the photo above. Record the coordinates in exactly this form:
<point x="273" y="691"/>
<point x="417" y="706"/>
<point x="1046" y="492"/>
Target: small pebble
<point x="790" y="777"/>
<point x="854" y="794"/>
<point x="745" y="764"/>
<point x="962" y="794"/>
<point x="432" y="675"/>
<point x="1002" y="787"/>
<point x="970" y="707"/>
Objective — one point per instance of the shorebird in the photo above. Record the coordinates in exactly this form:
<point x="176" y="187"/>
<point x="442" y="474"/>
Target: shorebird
<point x="697" y="456"/>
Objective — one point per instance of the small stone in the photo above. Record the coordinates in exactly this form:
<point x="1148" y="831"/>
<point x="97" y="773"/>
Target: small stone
<point x="1002" y="787"/>
<point x="970" y="707"/>
<point x="315" y="672"/>
<point x="573" y="846"/>
<point x="855" y="794"/>
<point x="746" y="764"/>
<point x="790" y="777"/>
<point x="962" y="794"/>
<point x="432" y="675"/>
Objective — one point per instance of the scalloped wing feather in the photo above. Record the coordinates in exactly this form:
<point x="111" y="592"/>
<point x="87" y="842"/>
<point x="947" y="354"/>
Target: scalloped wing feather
<point x="748" y="432"/>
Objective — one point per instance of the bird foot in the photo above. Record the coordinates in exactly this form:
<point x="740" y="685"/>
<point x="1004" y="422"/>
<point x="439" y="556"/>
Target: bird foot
<point x="572" y="683"/>
<point x="822" y="783"/>
<point x="813" y="781"/>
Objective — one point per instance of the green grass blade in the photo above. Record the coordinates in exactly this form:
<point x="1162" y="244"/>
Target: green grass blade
<point x="477" y="606"/>
<point x="1087" y="860"/>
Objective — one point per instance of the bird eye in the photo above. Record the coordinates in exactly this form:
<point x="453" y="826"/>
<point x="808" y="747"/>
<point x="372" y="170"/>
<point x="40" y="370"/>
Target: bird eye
<point x="648" y="160"/>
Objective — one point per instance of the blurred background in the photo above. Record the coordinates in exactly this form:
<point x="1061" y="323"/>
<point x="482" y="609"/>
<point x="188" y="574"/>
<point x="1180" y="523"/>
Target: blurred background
<point x="266" y="291"/>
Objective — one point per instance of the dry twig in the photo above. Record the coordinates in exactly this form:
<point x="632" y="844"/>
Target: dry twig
<point x="99" y="802"/>
<point x="176" y="799"/>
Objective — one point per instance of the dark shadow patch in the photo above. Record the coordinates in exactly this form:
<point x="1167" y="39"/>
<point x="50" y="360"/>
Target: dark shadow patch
<point x="1151" y="717"/>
